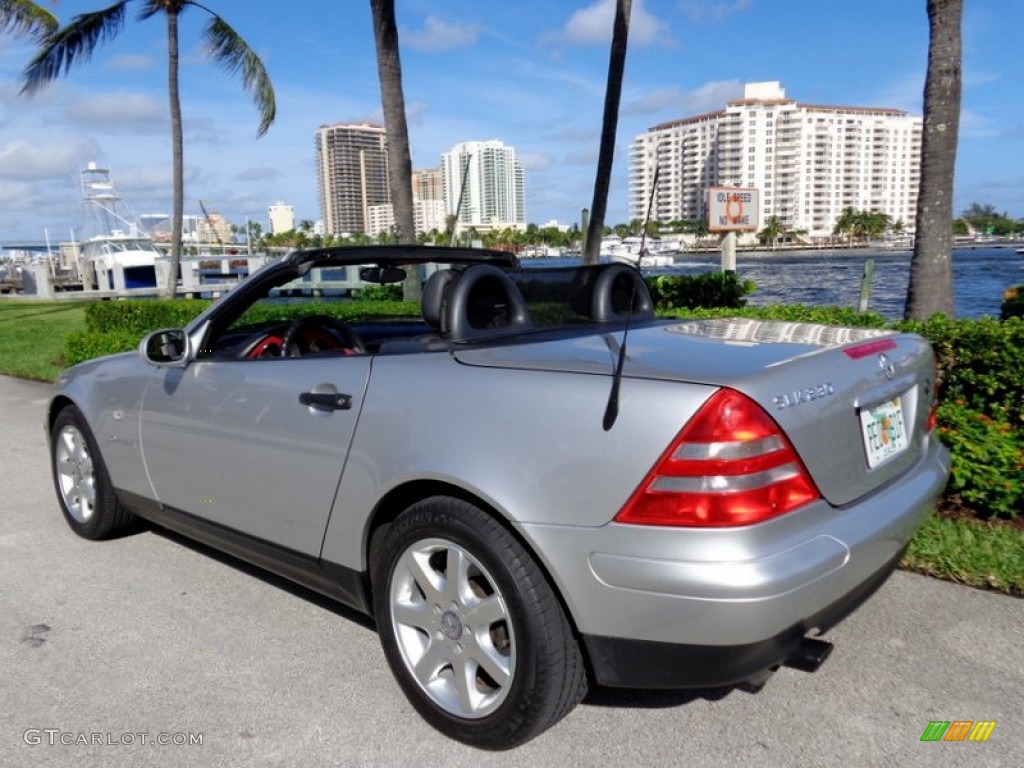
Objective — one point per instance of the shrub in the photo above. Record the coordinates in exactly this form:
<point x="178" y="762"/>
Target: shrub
<point x="988" y="466"/>
<point x="142" y="315"/>
<point x="389" y="292"/>
<point x="980" y="362"/>
<point x="85" y="345"/>
<point x="708" y="289"/>
<point x="1013" y="303"/>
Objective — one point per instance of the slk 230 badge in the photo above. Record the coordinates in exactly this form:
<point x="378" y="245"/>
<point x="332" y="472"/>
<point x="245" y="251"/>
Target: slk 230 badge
<point x="805" y="395"/>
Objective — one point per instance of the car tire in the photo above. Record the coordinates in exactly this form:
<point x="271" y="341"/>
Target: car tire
<point x="488" y="658"/>
<point x="80" y="478"/>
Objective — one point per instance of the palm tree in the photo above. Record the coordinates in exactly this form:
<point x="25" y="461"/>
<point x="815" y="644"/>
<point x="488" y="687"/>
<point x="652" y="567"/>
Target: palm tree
<point x="609" y="127"/>
<point x="392" y="96"/>
<point x="931" y="268"/>
<point x="79" y="39"/>
<point x="27" y="18"/>
<point x="772" y="230"/>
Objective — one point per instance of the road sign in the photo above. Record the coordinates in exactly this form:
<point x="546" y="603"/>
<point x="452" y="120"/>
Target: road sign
<point x="733" y="209"/>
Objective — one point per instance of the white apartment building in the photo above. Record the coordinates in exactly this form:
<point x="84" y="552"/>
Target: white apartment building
<point x="281" y="217"/>
<point x="492" y="191"/>
<point x="808" y="161"/>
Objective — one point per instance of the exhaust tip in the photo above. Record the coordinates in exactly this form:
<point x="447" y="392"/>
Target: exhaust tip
<point x="810" y="654"/>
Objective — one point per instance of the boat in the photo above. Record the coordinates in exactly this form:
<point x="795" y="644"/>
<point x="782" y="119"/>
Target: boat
<point x="636" y="251"/>
<point x="115" y="251"/>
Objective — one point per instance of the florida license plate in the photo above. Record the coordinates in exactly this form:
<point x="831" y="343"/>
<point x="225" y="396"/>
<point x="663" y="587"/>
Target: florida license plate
<point x="885" y="432"/>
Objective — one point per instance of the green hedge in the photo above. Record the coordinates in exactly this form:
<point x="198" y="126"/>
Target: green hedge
<point x="118" y="326"/>
<point x="141" y="316"/>
<point x="707" y="289"/>
<point x="1013" y="303"/>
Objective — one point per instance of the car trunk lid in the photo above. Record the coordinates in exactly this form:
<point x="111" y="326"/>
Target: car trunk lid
<point x="854" y="402"/>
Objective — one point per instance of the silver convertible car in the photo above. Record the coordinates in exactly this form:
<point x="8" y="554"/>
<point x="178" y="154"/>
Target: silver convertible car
<point x="534" y="486"/>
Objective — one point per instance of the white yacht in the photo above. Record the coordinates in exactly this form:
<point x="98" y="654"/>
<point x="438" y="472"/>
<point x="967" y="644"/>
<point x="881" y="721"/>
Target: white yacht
<point x="115" y="252"/>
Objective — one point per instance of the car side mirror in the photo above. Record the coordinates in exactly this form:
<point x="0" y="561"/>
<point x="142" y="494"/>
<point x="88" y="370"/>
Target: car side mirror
<point x="167" y="347"/>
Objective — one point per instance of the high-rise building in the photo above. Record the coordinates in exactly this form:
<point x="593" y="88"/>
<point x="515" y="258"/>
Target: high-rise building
<point x="808" y="161"/>
<point x="281" y="217"/>
<point x="488" y="180"/>
<point x="427" y="184"/>
<point x="214" y="228"/>
<point x="352" y="174"/>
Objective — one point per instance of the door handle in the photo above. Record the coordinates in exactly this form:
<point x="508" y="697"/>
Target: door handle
<point x="335" y="401"/>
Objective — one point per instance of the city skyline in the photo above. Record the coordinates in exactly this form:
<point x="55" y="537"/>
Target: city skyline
<point x="529" y="75"/>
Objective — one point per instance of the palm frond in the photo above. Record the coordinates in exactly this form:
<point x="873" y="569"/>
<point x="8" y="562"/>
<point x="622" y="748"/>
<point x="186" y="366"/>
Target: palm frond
<point x="74" y="42"/>
<point x="235" y="56"/>
<point x="24" y="17"/>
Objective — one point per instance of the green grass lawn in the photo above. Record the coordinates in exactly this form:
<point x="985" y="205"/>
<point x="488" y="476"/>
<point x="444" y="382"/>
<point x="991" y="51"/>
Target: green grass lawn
<point x="32" y="336"/>
<point x="970" y="551"/>
<point x="964" y="550"/>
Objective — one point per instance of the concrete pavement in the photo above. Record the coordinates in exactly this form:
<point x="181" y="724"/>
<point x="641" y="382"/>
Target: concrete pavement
<point x="149" y="637"/>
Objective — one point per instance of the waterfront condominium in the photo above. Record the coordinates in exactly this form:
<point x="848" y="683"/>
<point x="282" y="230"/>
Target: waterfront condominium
<point x="488" y="180"/>
<point x="427" y="206"/>
<point x="281" y="217"/>
<point x="352" y="175"/>
<point x="809" y="161"/>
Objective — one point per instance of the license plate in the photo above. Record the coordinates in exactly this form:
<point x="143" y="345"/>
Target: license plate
<point x="885" y="432"/>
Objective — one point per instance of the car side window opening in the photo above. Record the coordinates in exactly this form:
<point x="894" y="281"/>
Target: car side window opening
<point x="310" y="314"/>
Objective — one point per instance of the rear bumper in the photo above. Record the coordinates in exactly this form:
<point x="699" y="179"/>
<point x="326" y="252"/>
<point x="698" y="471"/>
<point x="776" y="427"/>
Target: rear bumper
<point x="667" y="607"/>
<point x="622" y="663"/>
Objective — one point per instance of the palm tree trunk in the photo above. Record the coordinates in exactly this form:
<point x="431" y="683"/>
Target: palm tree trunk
<point x="389" y="72"/>
<point x="609" y="126"/>
<point x="931" y="268"/>
<point x="177" y="152"/>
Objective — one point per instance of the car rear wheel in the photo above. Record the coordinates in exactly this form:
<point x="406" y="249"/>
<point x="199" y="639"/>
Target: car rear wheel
<point x="83" y="486"/>
<point x="475" y="635"/>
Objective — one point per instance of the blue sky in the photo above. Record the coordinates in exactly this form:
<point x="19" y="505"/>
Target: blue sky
<point x="529" y="72"/>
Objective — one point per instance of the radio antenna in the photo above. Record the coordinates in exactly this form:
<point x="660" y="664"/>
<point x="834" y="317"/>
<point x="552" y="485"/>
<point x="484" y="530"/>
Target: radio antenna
<point x="611" y="411"/>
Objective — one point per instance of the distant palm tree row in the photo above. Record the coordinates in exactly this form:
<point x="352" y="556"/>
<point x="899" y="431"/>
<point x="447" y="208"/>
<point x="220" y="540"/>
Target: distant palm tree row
<point x="861" y="226"/>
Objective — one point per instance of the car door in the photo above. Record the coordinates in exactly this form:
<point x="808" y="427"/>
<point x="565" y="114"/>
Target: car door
<point x="229" y="441"/>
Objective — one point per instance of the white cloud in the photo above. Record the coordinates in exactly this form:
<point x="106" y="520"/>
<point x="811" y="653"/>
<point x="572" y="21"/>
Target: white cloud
<point x="21" y="160"/>
<point x="593" y="25"/>
<point x="535" y="161"/>
<point x="258" y="174"/>
<point x="440" y="35"/>
<point x="905" y="92"/>
<point x="118" y="112"/>
<point x="975" y="126"/>
<point x="711" y="96"/>
<point x="712" y="11"/>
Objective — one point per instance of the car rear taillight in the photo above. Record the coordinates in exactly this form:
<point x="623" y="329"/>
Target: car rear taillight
<point x="730" y="465"/>
<point x="933" y="417"/>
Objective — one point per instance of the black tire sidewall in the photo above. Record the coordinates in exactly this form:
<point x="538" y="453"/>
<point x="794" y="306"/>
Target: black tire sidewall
<point x="518" y="579"/>
<point x="106" y="512"/>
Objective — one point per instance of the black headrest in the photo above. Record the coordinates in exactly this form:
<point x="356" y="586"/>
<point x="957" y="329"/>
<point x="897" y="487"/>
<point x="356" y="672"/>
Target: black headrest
<point x="620" y="291"/>
<point x="483" y="301"/>
<point x="433" y="299"/>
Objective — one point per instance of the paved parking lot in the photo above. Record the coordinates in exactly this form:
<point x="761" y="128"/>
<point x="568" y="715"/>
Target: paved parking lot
<point x="149" y="637"/>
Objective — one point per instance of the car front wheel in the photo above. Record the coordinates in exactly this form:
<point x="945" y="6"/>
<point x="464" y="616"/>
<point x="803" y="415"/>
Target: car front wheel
<point x="474" y="633"/>
<point x="80" y="477"/>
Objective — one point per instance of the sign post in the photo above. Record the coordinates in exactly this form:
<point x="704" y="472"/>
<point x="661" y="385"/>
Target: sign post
<point x="732" y="210"/>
